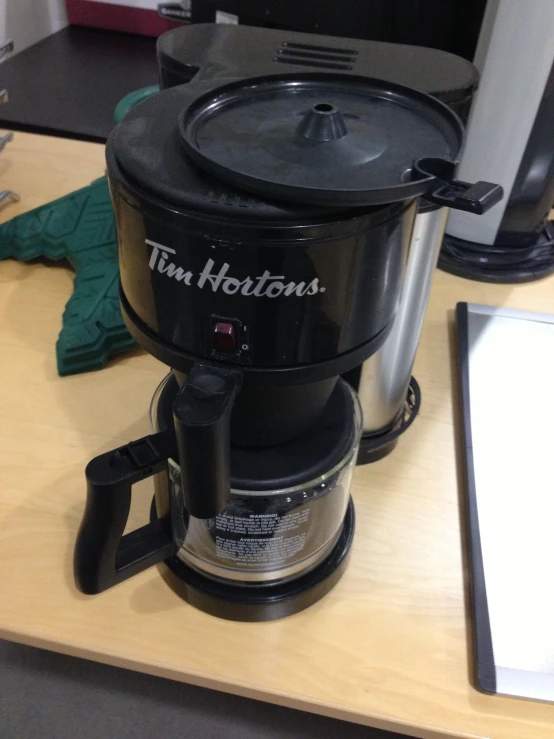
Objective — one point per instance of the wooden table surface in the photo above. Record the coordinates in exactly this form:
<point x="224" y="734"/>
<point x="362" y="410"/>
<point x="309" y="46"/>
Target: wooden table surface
<point x="388" y="647"/>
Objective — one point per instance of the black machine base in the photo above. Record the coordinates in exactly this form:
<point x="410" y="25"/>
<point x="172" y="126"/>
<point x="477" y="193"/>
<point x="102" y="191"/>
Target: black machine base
<point x="501" y="264"/>
<point x="261" y="602"/>
<point x="376" y="446"/>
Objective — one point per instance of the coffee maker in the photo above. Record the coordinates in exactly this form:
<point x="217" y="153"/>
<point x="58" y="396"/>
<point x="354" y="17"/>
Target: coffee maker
<point x="264" y="227"/>
<point x="389" y="395"/>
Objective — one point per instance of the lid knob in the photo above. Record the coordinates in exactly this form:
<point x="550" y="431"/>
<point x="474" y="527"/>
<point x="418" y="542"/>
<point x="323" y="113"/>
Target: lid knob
<point x="323" y="122"/>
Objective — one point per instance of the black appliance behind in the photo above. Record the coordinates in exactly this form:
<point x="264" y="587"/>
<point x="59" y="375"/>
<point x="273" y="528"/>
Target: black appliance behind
<point x="218" y="51"/>
<point x="451" y="26"/>
<point x="510" y="129"/>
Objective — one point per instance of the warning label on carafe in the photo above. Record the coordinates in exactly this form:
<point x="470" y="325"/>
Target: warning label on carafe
<point x="262" y="538"/>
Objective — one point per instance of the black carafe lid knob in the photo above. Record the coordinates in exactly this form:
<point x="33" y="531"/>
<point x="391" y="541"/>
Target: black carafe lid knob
<point x="323" y="122"/>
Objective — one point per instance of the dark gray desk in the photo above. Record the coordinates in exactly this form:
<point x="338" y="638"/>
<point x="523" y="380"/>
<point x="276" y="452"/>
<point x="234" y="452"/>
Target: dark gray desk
<point x="69" y="83"/>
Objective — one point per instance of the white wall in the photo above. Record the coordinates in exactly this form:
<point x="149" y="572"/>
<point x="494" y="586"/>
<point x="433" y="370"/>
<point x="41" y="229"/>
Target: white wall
<point x="29" y="21"/>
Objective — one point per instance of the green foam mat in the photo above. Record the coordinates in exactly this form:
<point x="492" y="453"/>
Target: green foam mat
<point x="80" y="228"/>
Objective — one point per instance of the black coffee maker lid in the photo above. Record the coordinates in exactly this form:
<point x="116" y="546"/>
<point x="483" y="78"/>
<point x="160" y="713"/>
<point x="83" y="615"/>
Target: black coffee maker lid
<point x="145" y="151"/>
<point x="321" y="139"/>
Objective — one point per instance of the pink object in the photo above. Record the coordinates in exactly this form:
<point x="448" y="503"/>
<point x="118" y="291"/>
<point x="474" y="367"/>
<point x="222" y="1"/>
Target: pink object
<point x="132" y="18"/>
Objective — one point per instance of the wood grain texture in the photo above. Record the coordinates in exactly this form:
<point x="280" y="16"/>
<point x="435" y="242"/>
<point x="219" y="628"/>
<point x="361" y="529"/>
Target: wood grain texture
<point x="388" y="647"/>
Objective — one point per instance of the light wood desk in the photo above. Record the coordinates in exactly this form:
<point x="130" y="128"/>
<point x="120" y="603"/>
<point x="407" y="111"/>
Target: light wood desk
<point x="388" y="647"/>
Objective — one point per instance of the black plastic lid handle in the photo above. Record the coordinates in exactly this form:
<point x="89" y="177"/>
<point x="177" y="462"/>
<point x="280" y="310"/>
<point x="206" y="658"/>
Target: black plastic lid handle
<point x="445" y="190"/>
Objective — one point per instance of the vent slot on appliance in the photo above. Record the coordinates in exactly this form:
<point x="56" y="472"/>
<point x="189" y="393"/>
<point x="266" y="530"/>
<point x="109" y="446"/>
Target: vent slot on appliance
<point x="318" y="55"/>
<point x="324" y="57"/>
<point x="326" y="49"/>
<point x="306" y="63"/>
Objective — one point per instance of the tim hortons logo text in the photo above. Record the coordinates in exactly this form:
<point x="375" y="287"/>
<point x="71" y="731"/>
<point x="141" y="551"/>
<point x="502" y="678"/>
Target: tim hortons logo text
<point x="214" y="278"/>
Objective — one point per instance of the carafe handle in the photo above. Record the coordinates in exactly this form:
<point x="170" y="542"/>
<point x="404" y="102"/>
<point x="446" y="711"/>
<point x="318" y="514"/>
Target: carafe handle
<point x="103" y="556"/>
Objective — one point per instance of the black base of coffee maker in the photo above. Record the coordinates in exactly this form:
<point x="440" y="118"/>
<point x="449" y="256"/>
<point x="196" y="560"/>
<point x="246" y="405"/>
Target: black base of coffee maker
<point x="502" y="264"/>
<point x="376" y="446"/>
<point x="373" y="448"/>
<point x="261" y="602"/>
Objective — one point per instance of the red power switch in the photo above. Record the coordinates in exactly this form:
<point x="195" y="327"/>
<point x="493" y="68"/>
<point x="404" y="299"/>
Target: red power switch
<point x="224" y="337"/>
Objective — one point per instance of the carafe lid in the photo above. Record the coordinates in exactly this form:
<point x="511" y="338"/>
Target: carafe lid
<point x="320" y="139"/>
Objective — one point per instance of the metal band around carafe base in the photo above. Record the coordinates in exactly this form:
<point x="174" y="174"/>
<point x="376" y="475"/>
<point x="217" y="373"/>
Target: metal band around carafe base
<point x="265" y="602"/>
<point x="266" y="577"/>
<point x="385" y="376"/>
